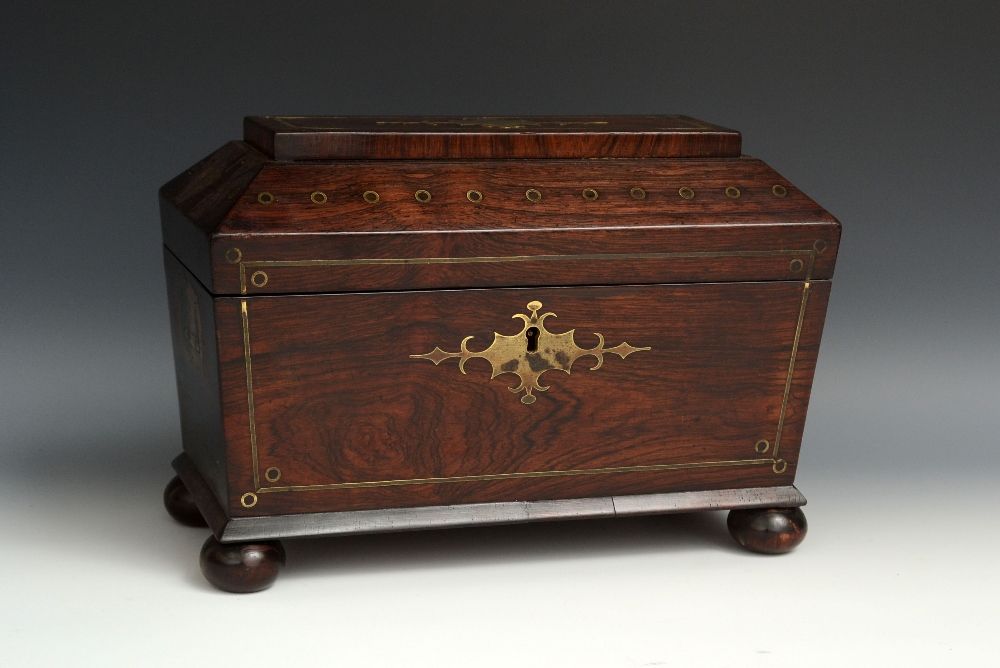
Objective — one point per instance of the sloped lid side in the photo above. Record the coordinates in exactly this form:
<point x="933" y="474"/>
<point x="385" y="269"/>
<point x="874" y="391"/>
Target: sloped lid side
<point x="496" y="137"/>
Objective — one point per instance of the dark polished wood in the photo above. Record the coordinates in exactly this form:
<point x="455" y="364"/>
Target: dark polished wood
<point x="308" y="263"/>
<point x="494" y="137"/>
<point x="768" y="530"/>
<point x="242" y="568"/>
<point x="180" y="504"/>
<point x="337" y="397"/>
<point x="196" y="363"/>
<point x="345" y="228"/>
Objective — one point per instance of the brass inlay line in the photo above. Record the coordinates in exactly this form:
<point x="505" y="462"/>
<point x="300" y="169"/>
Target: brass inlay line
<point x="791" y="367"/>
<point x="246" y="360"/>
<point x="510" y="476"/>
<point x="357" y="262"/>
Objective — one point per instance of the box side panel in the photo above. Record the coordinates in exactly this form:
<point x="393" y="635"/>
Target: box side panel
<point x="357" y="401"/>
<point x="192" y="326"/>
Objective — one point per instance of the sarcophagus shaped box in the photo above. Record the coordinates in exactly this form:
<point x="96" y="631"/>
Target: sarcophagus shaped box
<point x="398" y="323"/>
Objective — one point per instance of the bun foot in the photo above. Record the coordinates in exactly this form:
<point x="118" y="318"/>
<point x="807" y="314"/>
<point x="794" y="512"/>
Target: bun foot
<point x="767" y="530"/>
<point x="180" y="504"/>
<point x="242" y="568"/>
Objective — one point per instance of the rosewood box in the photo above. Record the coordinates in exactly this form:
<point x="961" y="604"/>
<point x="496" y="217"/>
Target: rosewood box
<point x="383" y="324"/>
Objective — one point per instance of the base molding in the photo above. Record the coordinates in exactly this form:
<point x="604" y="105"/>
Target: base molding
<point x="473" y="514"/>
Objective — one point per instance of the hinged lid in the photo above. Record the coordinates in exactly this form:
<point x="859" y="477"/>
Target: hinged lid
<point x="245" y="223"/>
<point x="487" y="137"/>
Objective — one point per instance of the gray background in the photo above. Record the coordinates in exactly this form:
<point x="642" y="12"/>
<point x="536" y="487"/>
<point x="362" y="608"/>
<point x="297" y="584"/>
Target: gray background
<point x="885" y="113"/>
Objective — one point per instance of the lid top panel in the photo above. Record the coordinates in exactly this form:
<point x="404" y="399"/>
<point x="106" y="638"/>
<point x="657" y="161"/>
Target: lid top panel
<point x="289" y="138"/>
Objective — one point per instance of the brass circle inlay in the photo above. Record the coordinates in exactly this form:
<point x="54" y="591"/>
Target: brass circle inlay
<point x="796" y="265"/>
<point x="589" y="194"/>
<point x="533" y="195"/>
<point x="248" y="500"/>
<point x="259" y="279"/>
<point x="273" y="474"/>
<point x="370" y="196"/>
<point x="233" y="256"/>
<point x="761" y="446"/>
<point x="637" y="193"/>
<point x="779" y="466"/>
<point x="779" y="190"/>
<point x="318" y="197"/>
<point x="819" y="245"/>
<point x="265" y="198"/>
<point x="686" y="193"/>
<point x="528" y="399"/>
<point x="732" y="192"/>
<point x="474" y="196"/>
<point x="422" y="196"/>
<point x="534" y="306"/>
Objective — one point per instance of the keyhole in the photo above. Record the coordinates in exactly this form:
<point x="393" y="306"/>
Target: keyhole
<point x="532" y="335"/>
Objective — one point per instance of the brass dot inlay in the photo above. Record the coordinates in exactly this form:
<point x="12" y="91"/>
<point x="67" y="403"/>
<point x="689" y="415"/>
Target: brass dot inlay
<point x="233" y="256"/>
<point x="779" y="466"/>
<point x="819" y="245"/>
<point x="370" y="196"/>
<point x="796" y="265"/>
<point x="733" y="192"/>
<point x="637" y="193"/>
<point x="761" y="446"/>
<point x="533" y="195"/>
<point x="248" y="500"/>
<point x="589" y="194"/>
<point x="259" y="279"/>
<point x="474" y="196"/>
<point x="686" y="193"/>
<point x="318" y="197"/>
<point x="422" y="196"/>
<point x="273" y="474"/>
<point x="779" y="190"/>
<point x="265" y="198"/>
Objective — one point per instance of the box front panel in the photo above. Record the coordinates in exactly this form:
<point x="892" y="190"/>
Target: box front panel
<point x="357" y="401"/>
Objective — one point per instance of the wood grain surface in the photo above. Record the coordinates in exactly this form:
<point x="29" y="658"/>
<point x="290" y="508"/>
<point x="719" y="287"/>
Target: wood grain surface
<point x="337" y="399"/>
<point x="505" y="224"/>
<point x="436" y="137"/>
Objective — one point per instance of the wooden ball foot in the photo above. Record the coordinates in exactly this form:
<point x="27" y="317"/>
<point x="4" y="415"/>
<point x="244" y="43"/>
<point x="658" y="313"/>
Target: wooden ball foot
<point x="242" y="568"/>
<point x="180" y="505"/>
<point x="767" y="530"/>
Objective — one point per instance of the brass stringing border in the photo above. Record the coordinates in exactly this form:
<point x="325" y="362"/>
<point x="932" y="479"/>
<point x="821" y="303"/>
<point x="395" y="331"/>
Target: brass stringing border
<point x="773" y="460"/>
<point x="811" y="253"/>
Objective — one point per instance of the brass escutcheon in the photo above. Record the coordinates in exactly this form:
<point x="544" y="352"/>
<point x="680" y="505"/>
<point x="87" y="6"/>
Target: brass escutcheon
<point x="686" y="193"/>
<point x="819" y="245"/>
<point x="779" y="466"/>
<point x="533" y="195"/>
<point x="796" y="265"/>
<point x="370" y="196"/>
<point x="265" y="198"/>
<point x="474" y="196"/>
<point x="273" y="474"/>
<point x="259" y="279"/>
<point x="732" y="192"/>
<point x="248" y="500"/>
<point x="422" y="196"/>
<point x="531" y="352"/>
<point x="637" y="193"/>
<point x="318" y="197"/>
<point x="761" y="446"/>
<point x="589" y="194"/>
<point x="233" y="256"/>
<point x="779" y="190"/>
